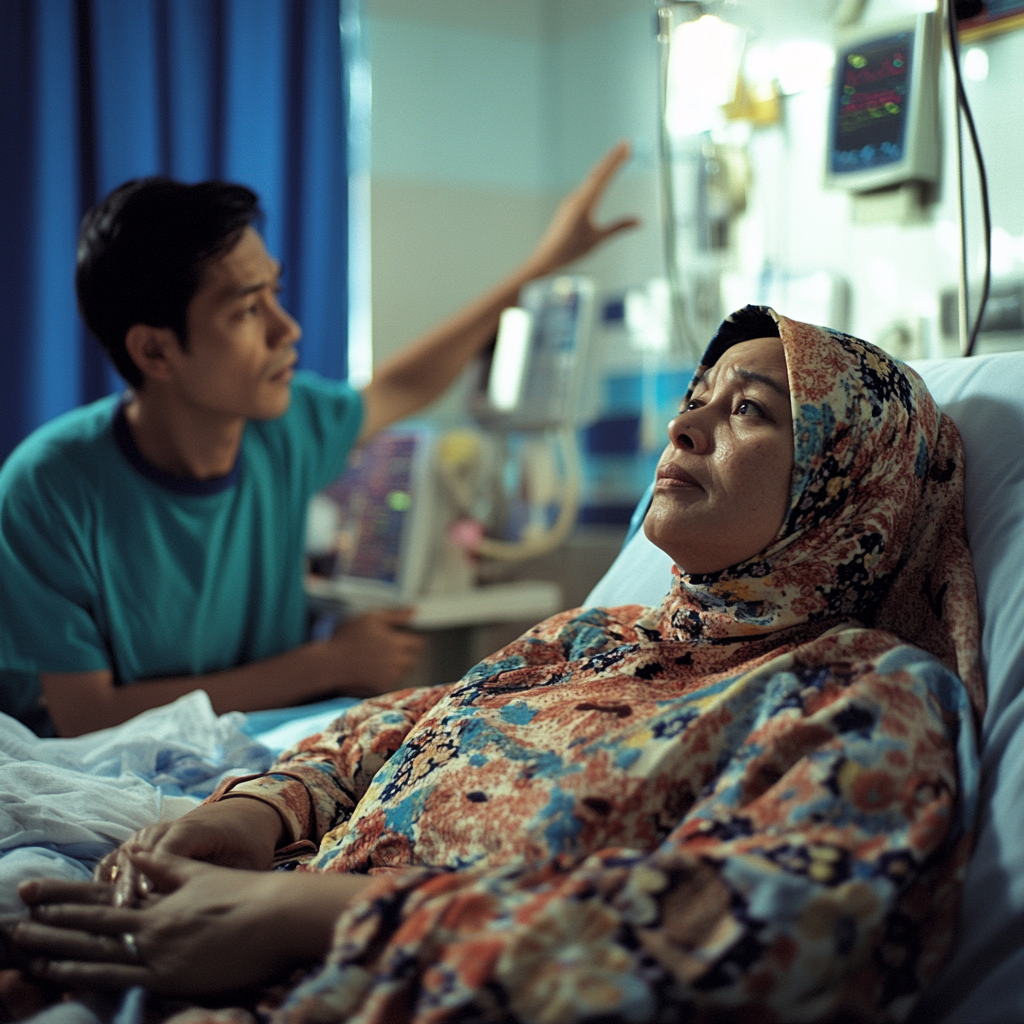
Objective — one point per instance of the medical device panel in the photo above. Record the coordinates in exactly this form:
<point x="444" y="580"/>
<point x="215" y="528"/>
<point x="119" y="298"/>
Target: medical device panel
<point x="883" y="119"/>
<point x="536" y="376"/>
<point x="377" y="520"/>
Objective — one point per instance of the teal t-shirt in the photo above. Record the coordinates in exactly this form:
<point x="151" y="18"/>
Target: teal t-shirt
<point x="108" y="563"/>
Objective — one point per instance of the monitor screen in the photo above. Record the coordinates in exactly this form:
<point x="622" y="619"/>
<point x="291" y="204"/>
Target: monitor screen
<point x="871" y="104"/>
<point x="375" y="497"/>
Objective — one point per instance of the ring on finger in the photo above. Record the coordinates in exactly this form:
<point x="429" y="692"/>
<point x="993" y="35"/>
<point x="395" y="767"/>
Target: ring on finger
<point x="131" y="947"/>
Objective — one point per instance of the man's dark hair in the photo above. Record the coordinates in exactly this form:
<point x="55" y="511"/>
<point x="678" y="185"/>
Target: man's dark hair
<point x="142" y="251"/>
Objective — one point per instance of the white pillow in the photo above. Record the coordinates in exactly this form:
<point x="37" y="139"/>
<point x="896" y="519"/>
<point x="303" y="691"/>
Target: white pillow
<point x="984" y="980"/>
<point x="641" y="574"/>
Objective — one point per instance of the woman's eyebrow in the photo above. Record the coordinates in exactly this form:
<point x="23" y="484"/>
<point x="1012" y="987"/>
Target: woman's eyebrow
<point x="761" y="378"/>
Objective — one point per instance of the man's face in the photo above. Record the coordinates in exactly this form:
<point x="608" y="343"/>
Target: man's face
<point x="241" y="344"/>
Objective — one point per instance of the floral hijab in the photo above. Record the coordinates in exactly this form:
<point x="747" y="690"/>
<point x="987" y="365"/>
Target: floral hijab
<point x="875" y="528"/>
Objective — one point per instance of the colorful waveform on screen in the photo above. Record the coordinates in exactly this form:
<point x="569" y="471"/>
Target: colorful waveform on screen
<point x="374" y="497"/>
<point x="871" y="104"/>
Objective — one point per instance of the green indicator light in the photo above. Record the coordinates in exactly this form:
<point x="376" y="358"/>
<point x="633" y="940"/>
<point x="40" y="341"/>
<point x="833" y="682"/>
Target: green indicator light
<point x="399" y="501"/>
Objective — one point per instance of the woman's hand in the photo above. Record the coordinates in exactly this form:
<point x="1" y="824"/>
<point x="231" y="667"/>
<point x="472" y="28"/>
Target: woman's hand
<point x="572" y="232"/>
<point x="237" y="832"/>
<point x="212" y="929"/>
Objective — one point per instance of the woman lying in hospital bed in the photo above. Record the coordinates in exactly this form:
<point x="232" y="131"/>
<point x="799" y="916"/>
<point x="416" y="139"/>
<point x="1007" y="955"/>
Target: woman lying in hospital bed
<point x="757" y="797"/>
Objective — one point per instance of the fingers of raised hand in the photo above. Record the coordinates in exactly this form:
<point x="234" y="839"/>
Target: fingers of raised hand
<point x="604" y="170"/>
<point x="622" y="224"/>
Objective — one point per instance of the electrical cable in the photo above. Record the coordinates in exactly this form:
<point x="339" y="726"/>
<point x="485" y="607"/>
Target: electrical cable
<point x="963" y="105"/>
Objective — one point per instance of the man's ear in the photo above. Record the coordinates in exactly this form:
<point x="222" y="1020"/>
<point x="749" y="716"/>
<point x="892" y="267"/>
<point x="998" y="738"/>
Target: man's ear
<point x="152" y="349"/>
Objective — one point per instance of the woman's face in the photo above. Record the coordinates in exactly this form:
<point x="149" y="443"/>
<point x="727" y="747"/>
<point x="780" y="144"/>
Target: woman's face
<point x="722" y="487"/>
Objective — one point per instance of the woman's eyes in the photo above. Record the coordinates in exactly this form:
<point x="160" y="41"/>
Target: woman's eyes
<point x="745" y="407"/>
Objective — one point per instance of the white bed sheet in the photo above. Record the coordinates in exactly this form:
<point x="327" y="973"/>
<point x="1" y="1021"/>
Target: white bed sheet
<point x="65" y="803"/>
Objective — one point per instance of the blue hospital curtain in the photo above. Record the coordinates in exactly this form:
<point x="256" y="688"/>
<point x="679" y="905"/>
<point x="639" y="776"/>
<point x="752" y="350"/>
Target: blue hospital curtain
<point x="94" y="92"/>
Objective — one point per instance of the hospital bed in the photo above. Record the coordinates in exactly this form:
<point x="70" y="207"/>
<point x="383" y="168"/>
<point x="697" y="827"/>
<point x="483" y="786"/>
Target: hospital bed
<point x="167" y="761"/>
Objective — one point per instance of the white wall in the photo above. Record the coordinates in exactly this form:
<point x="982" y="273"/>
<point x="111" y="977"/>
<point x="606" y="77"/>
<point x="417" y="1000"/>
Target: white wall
<point x="484" y="114"/>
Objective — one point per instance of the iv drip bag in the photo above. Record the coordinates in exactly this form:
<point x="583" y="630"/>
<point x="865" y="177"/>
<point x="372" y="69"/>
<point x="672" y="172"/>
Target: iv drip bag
<point x="704" y="63"/>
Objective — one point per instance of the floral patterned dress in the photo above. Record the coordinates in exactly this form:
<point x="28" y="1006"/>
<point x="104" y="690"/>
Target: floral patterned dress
<point x="753" y="803"/>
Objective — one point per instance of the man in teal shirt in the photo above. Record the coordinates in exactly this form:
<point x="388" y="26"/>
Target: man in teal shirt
<point x="157" y="537"/>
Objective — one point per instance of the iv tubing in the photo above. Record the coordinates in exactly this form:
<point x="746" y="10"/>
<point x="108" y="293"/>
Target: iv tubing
<point x="668" y="207"/>
<point x="967" y="343"/>
<point x="515" y="551"/>
<point x="962" y="203"/>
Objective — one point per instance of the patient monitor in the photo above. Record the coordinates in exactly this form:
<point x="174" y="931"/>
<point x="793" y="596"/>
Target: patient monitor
<point x="420" y="510"/>
<point x="377" y="520"/>
<point x="883" y="120"/>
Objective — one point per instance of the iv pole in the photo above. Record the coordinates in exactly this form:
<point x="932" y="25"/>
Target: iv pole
<point x="680" y="317"/>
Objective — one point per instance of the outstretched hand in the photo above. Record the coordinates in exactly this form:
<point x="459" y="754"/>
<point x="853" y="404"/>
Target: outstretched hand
<point x="572" y="232"/>
<point x="415" y="376"/>
<point x="211" y="930"/>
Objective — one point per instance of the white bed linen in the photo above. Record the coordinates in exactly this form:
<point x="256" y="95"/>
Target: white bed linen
<point x="64" y="803"/>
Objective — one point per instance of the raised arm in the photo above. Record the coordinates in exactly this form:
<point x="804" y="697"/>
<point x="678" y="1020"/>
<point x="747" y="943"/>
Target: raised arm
<point x="417" y="375"/>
